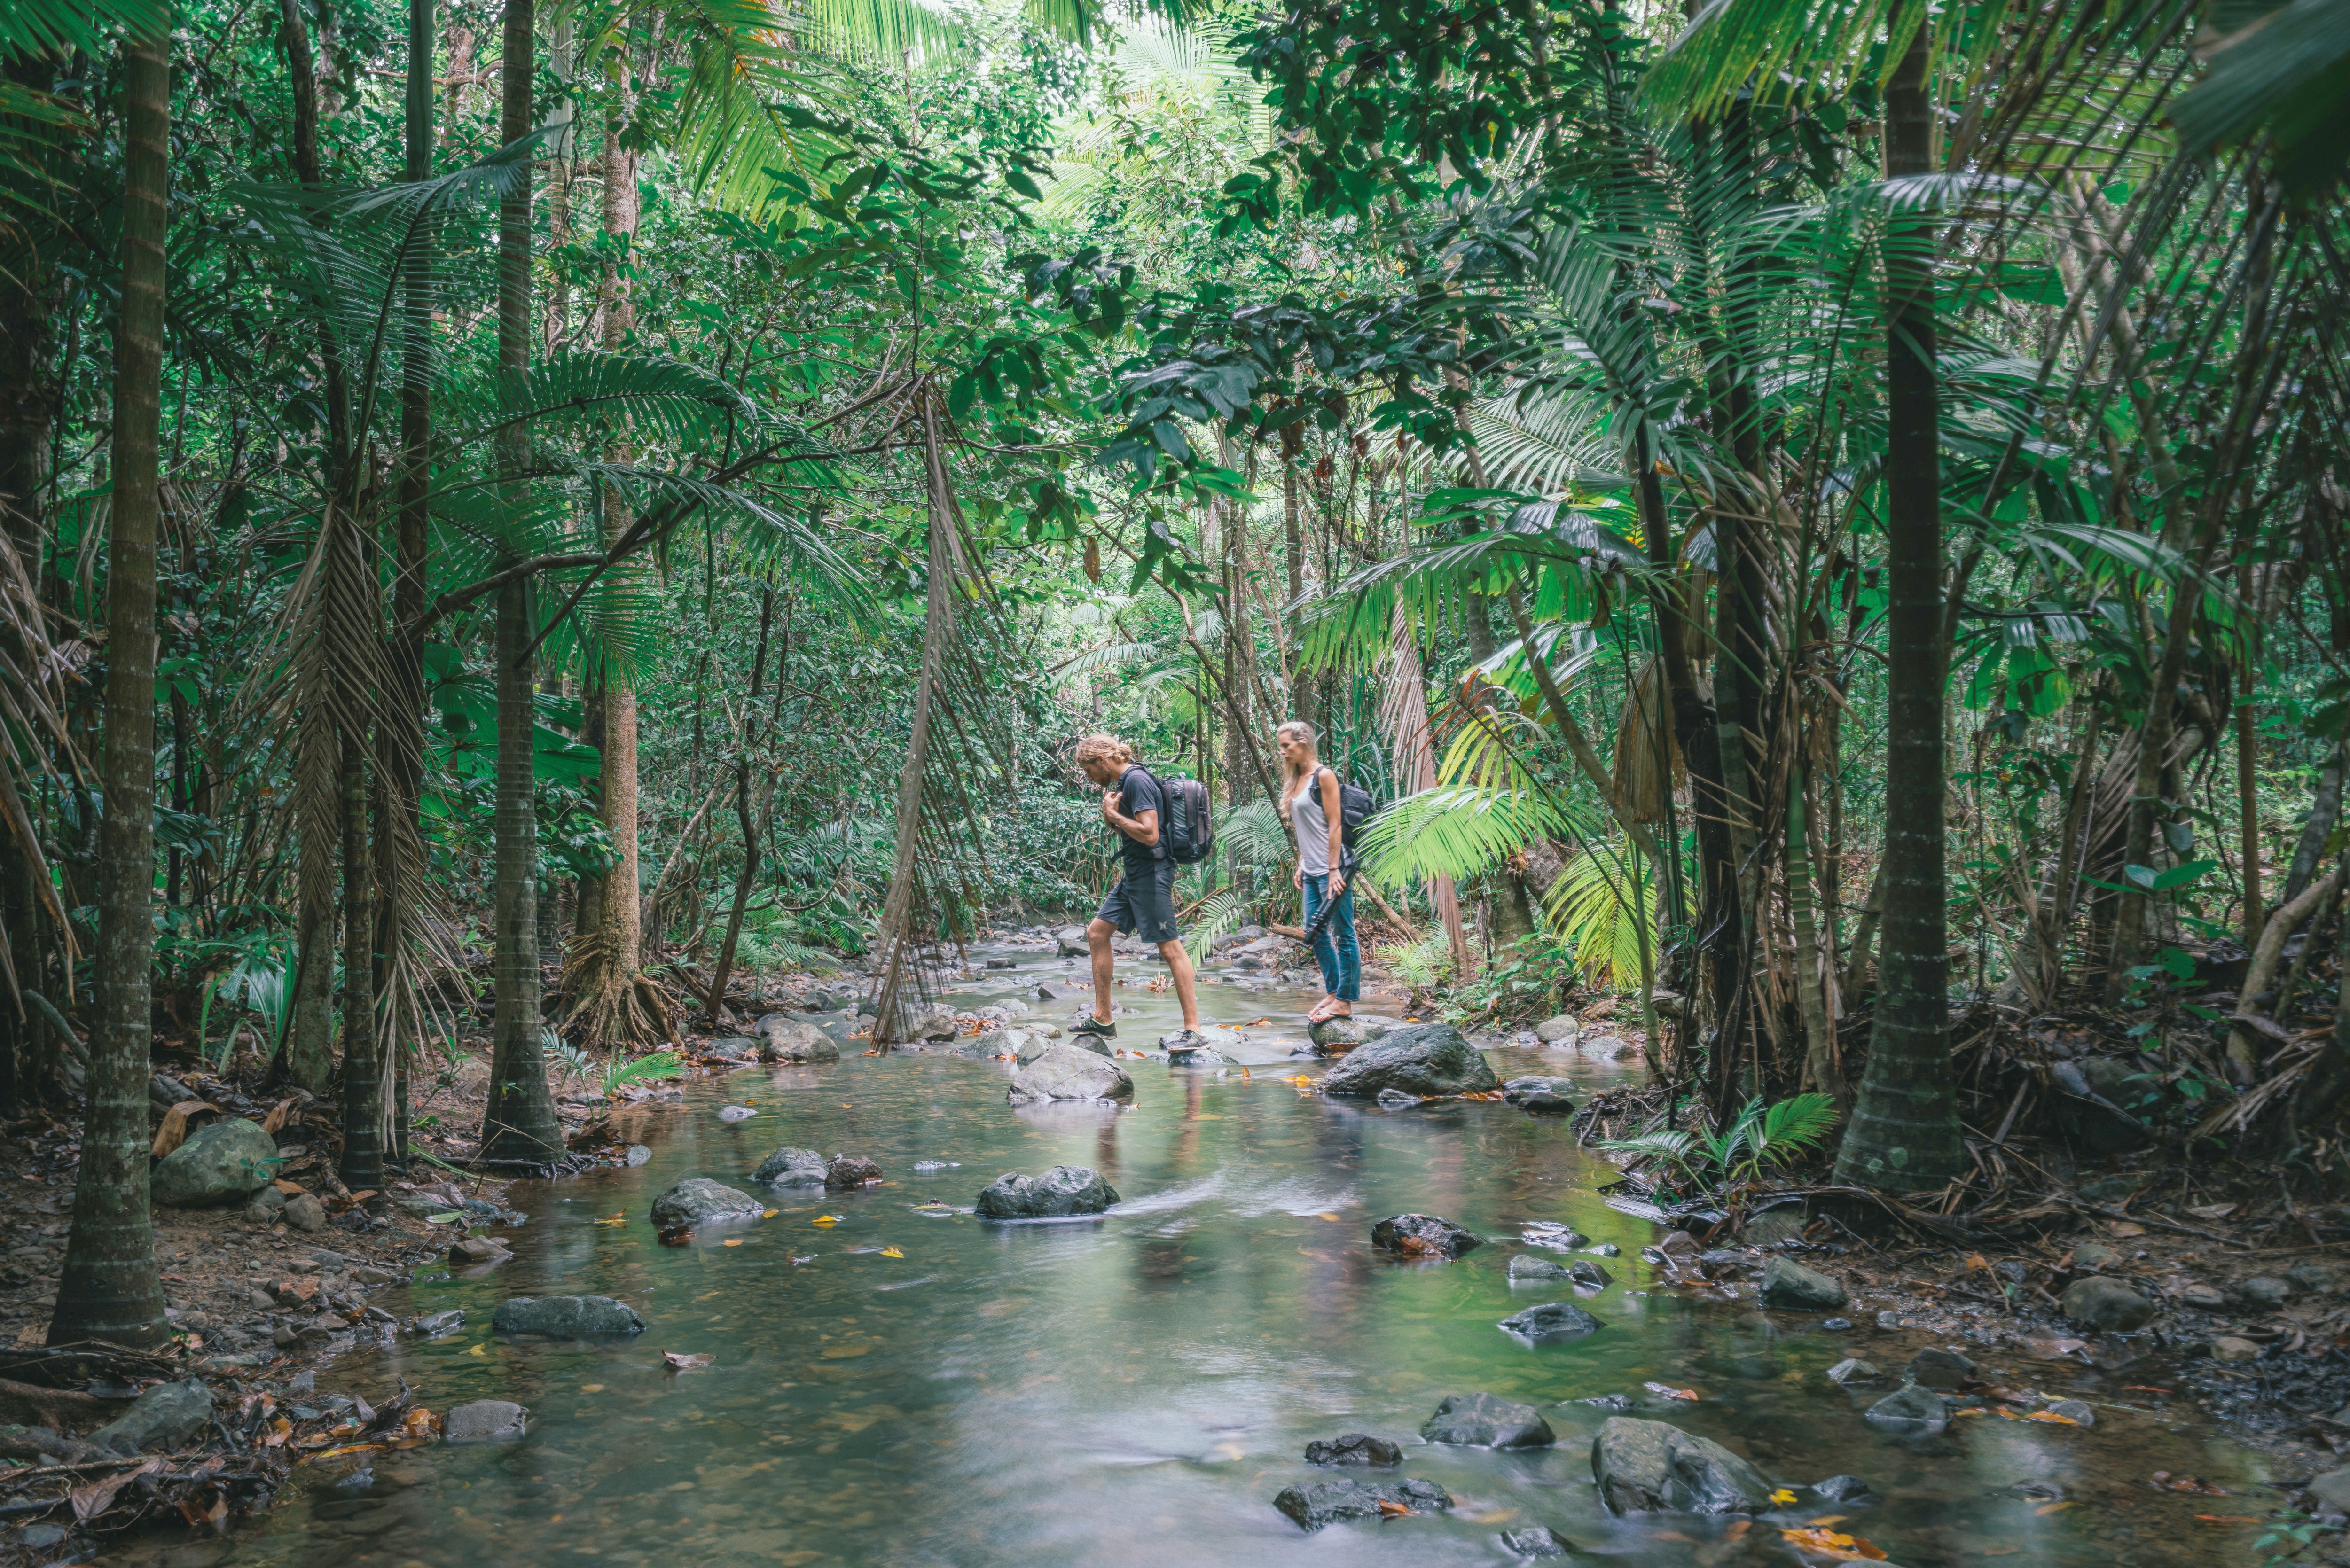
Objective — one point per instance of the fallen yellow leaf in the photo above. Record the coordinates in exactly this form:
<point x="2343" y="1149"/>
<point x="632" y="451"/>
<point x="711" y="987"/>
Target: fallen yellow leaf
<point x="769" y="1213"/>
<point x="826" y="1219"/>
<point x="2051" y="1417"/>
<point x="1783" y="1495"/>
<point x="479" y="1350"/>
<point x="1326" y="1217"/>
<point x="735" y="1242"/>
<point x="1832" y="1544"/>
<point x="891" y="1253"/>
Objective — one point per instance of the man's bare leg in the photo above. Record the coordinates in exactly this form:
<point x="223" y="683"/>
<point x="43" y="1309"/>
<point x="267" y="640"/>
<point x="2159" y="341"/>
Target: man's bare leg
<point x="1097" y="936"/>
<point x="1179" y="964"/>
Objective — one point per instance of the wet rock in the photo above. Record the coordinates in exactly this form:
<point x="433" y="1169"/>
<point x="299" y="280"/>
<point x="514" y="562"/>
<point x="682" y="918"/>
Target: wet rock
<point x="2079" y="1412"/>
<point x="924" y="1167"/>
<point x="1645" y="1467"/>
<point x="1840" y="1489"/>
<point x="1525" y="1268"/>
<point x="487" y="1421"/>
<point x="1064" y="1189"/>
<point x="791" y="1168"/>
<point x="306" y="1213"/>
<point x="1562" y="1030"/>
<point x="2315" y="1277"/>
<point x="1062" y="1071"/>
<point x="221" y="1162"/>
<point x="566" y="1317"/>
<point x="1321" y="1502"/>
<point x="477" y="1249"/>
<point x="1003" y="963"/>
<point x="1553" y="1323"/>
<point x="735" y="1113"/>
<point x="698" y="1200"/>
<point x="1348" y="1031"/>
<point x="1679" y="1246"/>
<point x="2095" y="1257"/>
<point x="1550" y="1233"/>
<point x="1837" y="1325"/>
<point x="1069" y="942"/>
<point x="1787" y="1285"/>
<point x="994" y="1044"/>
<point x="2262" y="1292"/>
<point x="1487" y="1421"/>
<point x="437" y="1325"/>
<point x="2333" y="1490"/>
<point x="850" y="1171"/>
<point x="1775" y="1225"/>
<point x="1589" y="1276"/>
<point x="1606" y="1249"/>
<point x="2230" y="1349"/>
<point x="1937" y="1368"/>
<point x="931" y="1023"/>
<point x="735" y="1048"/>
<point x="2202" y="1297"/>
<point x="1853" y="1369"/>
<point x="1418" y="1059"/>
<point x="164" y="1416"/>
<point x="1542" y="1097"/>
<point x="783" y="1039"/>
<point x="1396" y="1100"/>
<point x="1197" y="1056"/>
<point x="2102" y="1302"/>
<point x="1537" y="1541"/>
<point x="268" y="1204"/>
<point x="1606" y="1402"/>
<point x="1910" y="1412"/>
<point x="1422" y="1236"/>
<point x="638" y="1154"/>
<point x="1355" y="1448"/>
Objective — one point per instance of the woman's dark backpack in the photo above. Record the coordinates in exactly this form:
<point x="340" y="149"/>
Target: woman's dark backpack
<point x="1357" y="805"/>
<point x="1188" y="830"/>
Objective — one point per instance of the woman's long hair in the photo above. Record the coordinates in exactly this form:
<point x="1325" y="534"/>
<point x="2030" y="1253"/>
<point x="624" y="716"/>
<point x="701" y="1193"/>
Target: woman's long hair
<point x="1295" y="779"/>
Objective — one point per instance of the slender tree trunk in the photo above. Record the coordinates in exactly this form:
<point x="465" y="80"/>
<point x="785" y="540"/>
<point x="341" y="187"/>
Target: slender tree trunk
<point x="1904" y="1129"/>
<point x="109" y="1288"/>
<point x="520" y="1123"/>
<point x="362" y="1167"/>
<point x="748" y="877"/>
<point x="1302" y="695"/>
<point x="1403" y="713"/>
<point x="1811" y="981"/>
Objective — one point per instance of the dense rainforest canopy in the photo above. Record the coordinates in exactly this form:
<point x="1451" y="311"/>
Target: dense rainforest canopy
<point x="524" y="522"/>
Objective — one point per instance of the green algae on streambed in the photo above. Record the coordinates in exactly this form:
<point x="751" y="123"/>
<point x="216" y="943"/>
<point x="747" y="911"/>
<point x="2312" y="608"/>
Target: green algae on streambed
<point x="1134" y="1389"/>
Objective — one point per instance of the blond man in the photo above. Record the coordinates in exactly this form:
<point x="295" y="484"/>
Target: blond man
<point x="1142" y="900"/>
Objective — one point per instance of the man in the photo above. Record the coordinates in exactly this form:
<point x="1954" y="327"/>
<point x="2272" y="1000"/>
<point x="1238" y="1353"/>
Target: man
<point x="1143" y="899"/>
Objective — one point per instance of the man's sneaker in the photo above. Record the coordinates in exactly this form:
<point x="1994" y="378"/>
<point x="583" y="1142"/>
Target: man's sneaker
<point x="1092" y="1025"/>
<point x="1185" y="1042"/>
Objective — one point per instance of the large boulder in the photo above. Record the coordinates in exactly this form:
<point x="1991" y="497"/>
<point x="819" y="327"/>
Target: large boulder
<point x="1559" y="1031"/>
<point x="791" y="1168"/>
<point x="698" y="1200"/>
<point x="1553" y="1323"/>
<point x="566" y="1317"/>
<point x="1062" y="1191"/>
<point x="164" y="1416"/>
<point x="2102" y="1302"/>
<point x="1787" y="1283"/>
<point x="783" y="1039"/>
<point x="1422" y="1059"/>
<point x="1422" y="1236"/>
<point x="1487" y="1421"/>
<point x="1062" y="1071"/>
<point x="1647" y="1466"/>
<point x="1321" y="1502"/>
<point x="220" y="1162"/>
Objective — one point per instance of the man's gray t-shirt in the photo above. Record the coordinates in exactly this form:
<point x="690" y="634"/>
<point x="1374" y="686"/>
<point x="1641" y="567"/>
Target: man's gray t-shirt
<point x="1139" y="792"/>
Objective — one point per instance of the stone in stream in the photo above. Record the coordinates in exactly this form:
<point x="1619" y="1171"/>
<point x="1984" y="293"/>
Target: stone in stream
<point x="437" y="1325"/>
<point x="1487" y="1421"/>
<point x="1910" y="1412"/>
<point x="639" y="1154"/>
<point x="1559" y="1031"/>
<point x="2099" y="1302"/>
<point x="477" y="1249"/>
<point x="735" y="1113"/>
<point x="1396" y="1100"/>
<point x="1589" y="1276"/>
<point x="931" y="1023"/>
<point x="924" y="1167"/>
<point x="791" y="1168"/>
<point x="487" y="1421"/>
<point x="1422" y="1236"/>
<point x="1537" y="1541"/>
<point x="1423" y="1059"/>
<point x="1852" y="1369"/>
<point x="220" y="1162"/>
<point x="1542" y="1097"/>
<point x="1937" y="1368"/>
<point x="2079" y="1412"/>
<point x="1062" y="1191"/>
<point x="1840" y="1489"/>
<point x="1062" y="1071"/>
<point x="165" y="1416"/>
<point x="850" y="1171"/>
<point x="698" y="1200"/>
<point x="1069" y="942"/>
<point x="1201" y="1057"/>
<point x="566" y="1317"/>
<point x="1553" y="1323"/>
<point x="1606" y="1249"/>
<point x="1648" y="1467"/>
<point x="1355" y="1448"/>
<point x="1527" y="1268"/>
<point x="1003" y="963"/>
<point x="783" y="1039"/>
<point x="994" y="1044"/>
<point x="1788" y="1284"/>
<point x="1332" y="1032"/>
<point x="1321" y="1502"/>
<point x="735" y="1048"/>
<point x="1551" y="1234"/>
<point x="2333" y="1490"/>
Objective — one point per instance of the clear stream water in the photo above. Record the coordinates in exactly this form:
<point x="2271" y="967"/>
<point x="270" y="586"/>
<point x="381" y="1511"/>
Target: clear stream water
<point x="1135" y="1389"/>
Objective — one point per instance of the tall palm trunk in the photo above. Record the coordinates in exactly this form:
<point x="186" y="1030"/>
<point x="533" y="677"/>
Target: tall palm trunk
<point x="109" y="1288"/>
<point x="1903" y="1129"/>
<point x="520" y="1122"/>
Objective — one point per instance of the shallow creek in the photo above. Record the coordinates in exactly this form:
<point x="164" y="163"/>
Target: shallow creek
<point x="1134" y="1389"/>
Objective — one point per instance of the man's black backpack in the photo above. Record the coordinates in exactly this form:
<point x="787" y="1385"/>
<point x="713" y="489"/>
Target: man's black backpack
<point x="1188" y="829"/>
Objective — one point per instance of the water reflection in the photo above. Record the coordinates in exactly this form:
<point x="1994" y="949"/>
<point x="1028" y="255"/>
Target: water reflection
<point x="1134" y="1389"/>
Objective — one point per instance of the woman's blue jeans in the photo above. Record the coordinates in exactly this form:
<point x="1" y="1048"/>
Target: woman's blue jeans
<point x="1334" y="948"/>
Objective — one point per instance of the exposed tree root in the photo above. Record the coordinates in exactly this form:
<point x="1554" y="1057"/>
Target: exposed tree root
<point x="612" y="1005"/>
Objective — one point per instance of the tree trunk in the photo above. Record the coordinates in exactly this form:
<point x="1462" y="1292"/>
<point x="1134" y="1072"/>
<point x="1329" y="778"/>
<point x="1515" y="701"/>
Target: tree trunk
<point x="1403" y="713"/>
<point x="109" y="1289"/>
<point x="520" y="1123"/>
<point x="362" y="1167"/>
<point x="1825" y="1074"/>
<point x="745" y="878"/>
<point x="1904" y="1129"/>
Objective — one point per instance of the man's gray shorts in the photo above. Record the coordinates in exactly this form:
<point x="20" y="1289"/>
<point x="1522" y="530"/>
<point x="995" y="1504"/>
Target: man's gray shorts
<point x="1143" y="904"/>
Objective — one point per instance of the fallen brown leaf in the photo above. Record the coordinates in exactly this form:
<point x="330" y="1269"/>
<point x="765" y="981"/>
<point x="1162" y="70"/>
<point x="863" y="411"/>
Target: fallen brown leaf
<point x="677" y="1361"/>
<point x="90" y="1501"/>
<point x="174" y="1130"/>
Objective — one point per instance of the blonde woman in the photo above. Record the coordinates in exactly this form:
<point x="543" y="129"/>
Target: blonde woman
<point x="1142" y="900"/>
<point x="1309" y="798"/>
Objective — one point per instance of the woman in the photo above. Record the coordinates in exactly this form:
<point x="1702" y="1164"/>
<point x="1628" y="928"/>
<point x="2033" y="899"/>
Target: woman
<point x="1309" y="798"/>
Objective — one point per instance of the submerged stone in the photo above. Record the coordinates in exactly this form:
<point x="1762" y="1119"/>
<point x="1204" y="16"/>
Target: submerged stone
<point x="1354" y="1449"/>
<point x="1553" y="1323"/>
<point x="1062" y="1191"/>
<point x="1422" y="1236"/>
<point x="1645" y="1467"/>
<point x="1487" y="1421"/>
<point x="1322" y="1502"/>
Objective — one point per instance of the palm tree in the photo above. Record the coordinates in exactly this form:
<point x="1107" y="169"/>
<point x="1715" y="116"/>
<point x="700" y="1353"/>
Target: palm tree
<point x="109" y="1288"/>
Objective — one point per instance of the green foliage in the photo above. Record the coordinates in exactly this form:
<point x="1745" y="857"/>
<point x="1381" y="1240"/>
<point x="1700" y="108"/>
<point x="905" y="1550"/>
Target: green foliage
<point x="1762" y="1135"/>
